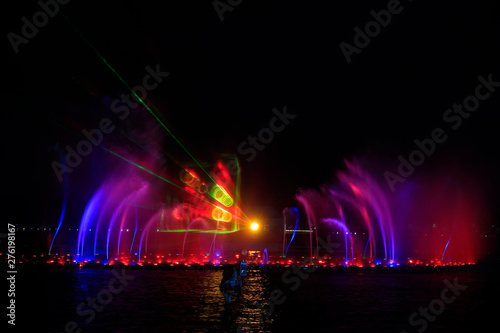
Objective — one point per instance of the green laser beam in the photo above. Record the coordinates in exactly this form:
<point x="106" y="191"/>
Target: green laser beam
<point x="138" y="98"/>
<point x="145" y="169"/>
<point x="149" y="152"/>
<point x="133" y="163"/>
<point x="154" y="174"/>
<point x="144" y="104"/>
<point x="203" y="231"/>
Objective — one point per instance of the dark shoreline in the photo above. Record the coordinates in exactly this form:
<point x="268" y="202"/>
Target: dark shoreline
<point x="481" y="267"/>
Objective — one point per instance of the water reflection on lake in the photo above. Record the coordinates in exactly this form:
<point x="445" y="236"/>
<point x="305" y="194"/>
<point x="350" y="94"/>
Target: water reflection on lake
<point x="190" y="301"/>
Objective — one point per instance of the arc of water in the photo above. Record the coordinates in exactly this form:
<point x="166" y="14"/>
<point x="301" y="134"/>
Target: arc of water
<point x="213" y="240"/>
<point x="310" y="219"/>
<point x="185" y="237"/>
<point x="65" y="202"/>
<point x="366" y="247"/>
<point x="371" y="238"/>
<point x="87" y="217"/>
<point x="98" y="225"/>
<point x="296" y="211"/>
<point x="114" y="217"/>
<point x="341" y="212"/>
<point x="124" y="216"/>
<point x="145" y="232"/>
<point x="135" y="231"/>
<point x="442" y="258"/>
<point x="346" y="232"/>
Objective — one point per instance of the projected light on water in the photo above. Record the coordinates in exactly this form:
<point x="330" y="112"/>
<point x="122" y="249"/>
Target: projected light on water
<point x="219" y="194"/>
<point x="220" y="214"/>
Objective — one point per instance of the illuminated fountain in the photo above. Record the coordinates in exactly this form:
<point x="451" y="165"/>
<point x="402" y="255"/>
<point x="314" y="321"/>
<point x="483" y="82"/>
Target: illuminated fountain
<point x="184" y="215"/>
<point x="127" y="220"/>
<point x="430" y="219"/>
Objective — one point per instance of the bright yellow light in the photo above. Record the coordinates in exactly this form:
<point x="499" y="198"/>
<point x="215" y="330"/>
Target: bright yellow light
<point x="254" y="226"/>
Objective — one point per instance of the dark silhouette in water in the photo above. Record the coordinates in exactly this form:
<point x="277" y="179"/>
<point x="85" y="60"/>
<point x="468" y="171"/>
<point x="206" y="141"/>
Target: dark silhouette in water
<point x="229" y="282"/>
<point x="232" y="280"/>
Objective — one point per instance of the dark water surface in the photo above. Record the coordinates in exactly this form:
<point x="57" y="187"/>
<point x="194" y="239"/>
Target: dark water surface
<point x="190" y="301"/>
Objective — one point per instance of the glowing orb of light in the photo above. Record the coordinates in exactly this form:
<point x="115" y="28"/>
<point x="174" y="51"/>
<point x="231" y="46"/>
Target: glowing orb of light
<point x="254" y="226"/>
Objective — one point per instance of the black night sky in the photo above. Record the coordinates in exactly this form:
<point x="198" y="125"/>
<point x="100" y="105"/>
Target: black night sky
<point x="227" y="76"/>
